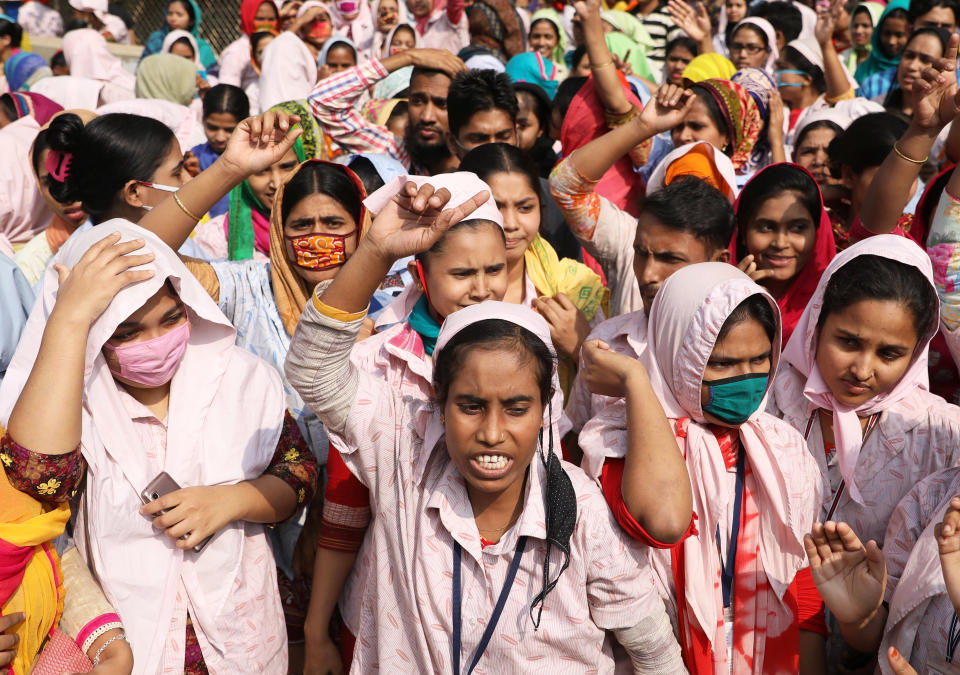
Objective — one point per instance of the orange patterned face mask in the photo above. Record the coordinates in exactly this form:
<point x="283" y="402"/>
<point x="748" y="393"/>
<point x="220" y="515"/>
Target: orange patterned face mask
<point x="320" y="251"/>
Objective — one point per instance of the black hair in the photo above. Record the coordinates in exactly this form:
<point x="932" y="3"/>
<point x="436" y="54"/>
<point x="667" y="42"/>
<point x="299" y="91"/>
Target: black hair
<point x="690" y="204"/>
<point x="255" y="40"/>
<point x="340" y="44"/>
<point x="472" y="224"/>
<point x="322" y="178"/>
<point x="893" y="14"/>
<point x="541" y="20"/>
<point x="58" y="60"/>
<point x="713" y="111"/>
<point x="12" y="30"/>
<point x="565" y="94"/>
<point x="894" y="98"/>
<point x="577" y="57"/>
<point x="866" y="142"/>
<point x="477" y="91"/>
<point x="399" y="110"/>
<point x="427" y="72"/>
<point x="492" y="334"/>
<point x="813" y="126"/>
<point x="536" y="97"/>
<point x="36" y="151"/>
<point x="685" y="42"/>
<point x="772" y="182"/>
<point x="872" y="277"/>
<point x="783" y="16"/>
<point x="756" y="307"/>
<point x="107" y="152"/>
<point x="188" y="8"/>
<point x="367" y="173"/>
<point x="8" y="108"/>
<point x="756" y="29"/>
<point x="491" y="158"/>
<point x="404" y="27"/>
<point x="920" y="7"/>
<point x="184" y="41"/>
<point x="226" y="98"/>
<point x="793" y="56"/>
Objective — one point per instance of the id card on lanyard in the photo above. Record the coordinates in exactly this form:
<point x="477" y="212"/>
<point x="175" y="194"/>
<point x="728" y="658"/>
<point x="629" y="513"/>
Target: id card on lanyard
<point x="871" y="423"/>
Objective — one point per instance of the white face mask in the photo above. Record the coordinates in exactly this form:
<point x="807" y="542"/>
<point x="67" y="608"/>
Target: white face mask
<point x="155" y="186"/>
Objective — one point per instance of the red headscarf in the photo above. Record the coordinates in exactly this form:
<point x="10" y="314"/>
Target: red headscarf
<point x="248" y="12"/>
<point x="584" y="122"/>
<point x="795" y="300"/>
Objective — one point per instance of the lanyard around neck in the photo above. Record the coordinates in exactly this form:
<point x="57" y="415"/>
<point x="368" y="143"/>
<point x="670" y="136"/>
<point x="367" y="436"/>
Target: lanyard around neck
<point x="497" y="611"/>
<point x="728" y="568"/>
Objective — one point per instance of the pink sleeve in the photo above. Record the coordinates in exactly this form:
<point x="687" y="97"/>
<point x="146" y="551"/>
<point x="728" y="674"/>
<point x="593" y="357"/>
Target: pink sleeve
<point x="858" y="232"/>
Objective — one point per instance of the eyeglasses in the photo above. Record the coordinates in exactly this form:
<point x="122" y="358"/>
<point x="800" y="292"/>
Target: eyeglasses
<point x="749" y="49"/>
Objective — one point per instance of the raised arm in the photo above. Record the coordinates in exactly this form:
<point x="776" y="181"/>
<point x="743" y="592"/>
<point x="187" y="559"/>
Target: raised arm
<point x="256" y="143"/>
<point x="56" y="380"/>
<point x="838" y="86"/>
<point x="605" y="78"/>
<point x="695" y="22"/>
<point x="656" y="485"/>
<point x="936" y="104"/>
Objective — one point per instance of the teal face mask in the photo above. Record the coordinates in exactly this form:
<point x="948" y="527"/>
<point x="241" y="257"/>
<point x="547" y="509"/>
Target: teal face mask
<point x="734" y="399"/>
<point x="781" y="73"/>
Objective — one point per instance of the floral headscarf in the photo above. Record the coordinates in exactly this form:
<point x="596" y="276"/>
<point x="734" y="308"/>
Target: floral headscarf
<point x="742" y="115"/>
<point x="760" y="86"/>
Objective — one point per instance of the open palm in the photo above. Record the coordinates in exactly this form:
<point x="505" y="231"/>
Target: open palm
<point x="936" y="98"/>
<point x="412" y="223"/>
<point x="259" y="142"/>
<point x="851" y="578"/>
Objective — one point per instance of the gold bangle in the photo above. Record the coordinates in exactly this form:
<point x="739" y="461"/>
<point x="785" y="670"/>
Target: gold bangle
<point x="601" y="65"/>
<point x="896" y="149"/>
<point x="616" y="120"/>
<point x="176" y="198"/>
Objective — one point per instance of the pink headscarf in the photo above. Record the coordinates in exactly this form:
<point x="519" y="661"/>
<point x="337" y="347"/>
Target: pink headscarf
<point x="685" y="319"/>
<point x="801" y="354"/>
<point x="225" y="417"/>
<point x="87" y="55"/>
<point x="767" y="29"/>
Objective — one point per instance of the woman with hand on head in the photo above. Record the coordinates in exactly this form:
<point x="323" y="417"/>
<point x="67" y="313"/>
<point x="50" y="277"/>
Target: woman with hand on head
<point x="471" y="482"/>
<point x="713" y="346"/>
<point x="143" y="372"/>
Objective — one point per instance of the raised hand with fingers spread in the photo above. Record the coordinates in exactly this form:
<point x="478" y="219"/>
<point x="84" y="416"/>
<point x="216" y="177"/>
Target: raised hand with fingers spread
<point x="936" y="96"/>
<point x="694" y="21"/>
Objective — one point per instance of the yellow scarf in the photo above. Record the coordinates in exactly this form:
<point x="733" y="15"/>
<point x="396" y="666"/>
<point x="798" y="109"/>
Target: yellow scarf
<point x="583" y="286"/>
<point x="23" y="522"/>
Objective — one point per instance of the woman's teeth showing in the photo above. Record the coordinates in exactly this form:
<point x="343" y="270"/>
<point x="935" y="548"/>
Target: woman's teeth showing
<point x="492" y="462"/>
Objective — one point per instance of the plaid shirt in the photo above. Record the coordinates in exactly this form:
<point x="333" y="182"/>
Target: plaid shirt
<point x="333" y="102"/>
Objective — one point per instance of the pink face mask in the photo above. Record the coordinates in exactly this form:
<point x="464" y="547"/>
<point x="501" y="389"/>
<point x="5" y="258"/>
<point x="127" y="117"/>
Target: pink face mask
<point x="348" y="7"/>
<point x="152" y="363"/>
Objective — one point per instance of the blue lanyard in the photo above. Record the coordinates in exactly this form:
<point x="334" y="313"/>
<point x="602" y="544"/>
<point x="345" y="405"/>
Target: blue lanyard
<point x="728" y="569"/>
<point x="954" y="638"/>
<point x="497" y="611"/>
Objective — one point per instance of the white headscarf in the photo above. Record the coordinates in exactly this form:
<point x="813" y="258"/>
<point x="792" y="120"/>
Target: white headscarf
<point x="767" y="29"/>
<point x="179" y="34"/>
<point x="87" y="55"/>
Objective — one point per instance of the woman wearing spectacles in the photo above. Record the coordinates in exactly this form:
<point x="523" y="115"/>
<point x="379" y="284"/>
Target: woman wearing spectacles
<point x="753" y="44"/>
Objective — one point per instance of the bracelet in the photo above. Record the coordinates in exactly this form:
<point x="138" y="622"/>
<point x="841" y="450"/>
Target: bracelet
<point x="896" y="149"/>
<point x="617" y="120"/>
<point x="96" y="657"/>
<point x="176" y="198"/>
<point x="98" y="631"/>
<point x="601" y="65"/>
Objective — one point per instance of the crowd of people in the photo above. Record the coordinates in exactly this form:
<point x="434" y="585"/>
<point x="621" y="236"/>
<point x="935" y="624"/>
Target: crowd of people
<point x="426" y="335"/>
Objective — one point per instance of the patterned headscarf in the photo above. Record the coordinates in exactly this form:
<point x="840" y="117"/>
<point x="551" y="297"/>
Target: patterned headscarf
<point x="760" y="86"/>
<point x="742" y="115"/>
<point x="495" y="24"/>
<point x="310" y="145"/>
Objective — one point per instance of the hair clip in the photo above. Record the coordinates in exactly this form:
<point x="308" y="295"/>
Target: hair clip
<point x="58" y="165"/>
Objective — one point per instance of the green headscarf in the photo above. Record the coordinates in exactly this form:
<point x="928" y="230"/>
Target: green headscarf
<point x="167" y="76"/>
<point x="878" y="61"/>
<point x="553" y="16"/>
<point x="247" y="216"/>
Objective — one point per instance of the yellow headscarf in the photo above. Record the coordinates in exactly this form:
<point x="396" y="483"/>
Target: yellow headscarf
<point x="24" y="522"/>
<point x="710" y="66"/>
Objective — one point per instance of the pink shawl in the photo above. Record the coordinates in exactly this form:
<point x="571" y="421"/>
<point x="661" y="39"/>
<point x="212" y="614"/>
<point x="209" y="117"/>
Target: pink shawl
<point x="801" y="352"/>
<point x="87" y="55"/>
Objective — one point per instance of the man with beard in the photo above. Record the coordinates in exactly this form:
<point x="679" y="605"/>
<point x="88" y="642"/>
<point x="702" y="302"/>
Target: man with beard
<point x="423" y="149"/>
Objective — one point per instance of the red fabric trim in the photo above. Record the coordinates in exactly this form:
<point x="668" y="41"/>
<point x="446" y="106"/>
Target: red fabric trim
<point x="810" y="607"/>
<point x="342" y="486"/>
<point x="611" y="482"/>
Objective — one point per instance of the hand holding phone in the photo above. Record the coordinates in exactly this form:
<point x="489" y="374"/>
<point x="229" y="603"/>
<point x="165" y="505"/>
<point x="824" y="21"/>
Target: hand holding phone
<point x="160" y="486"/>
